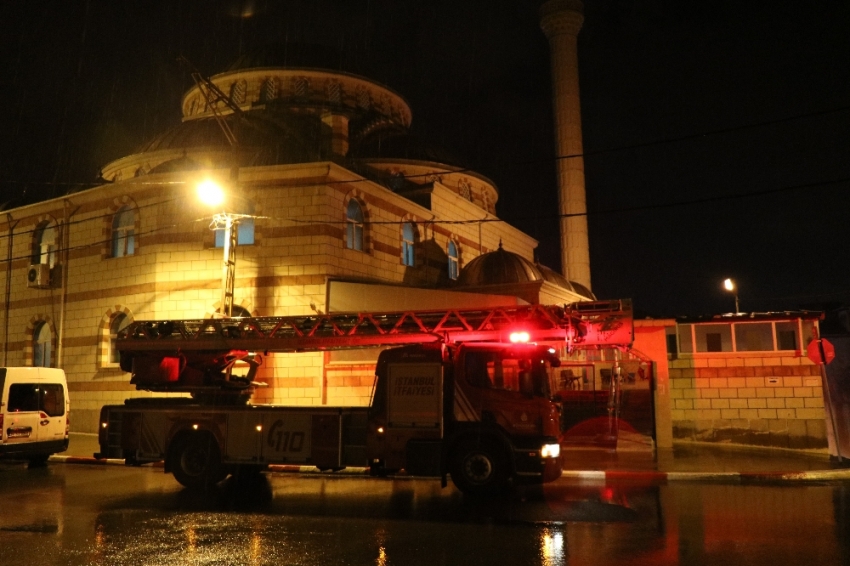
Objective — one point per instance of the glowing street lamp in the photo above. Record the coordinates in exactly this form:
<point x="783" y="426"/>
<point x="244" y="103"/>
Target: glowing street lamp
<point x="730" y="286"/>
<point x="212" y="194"/>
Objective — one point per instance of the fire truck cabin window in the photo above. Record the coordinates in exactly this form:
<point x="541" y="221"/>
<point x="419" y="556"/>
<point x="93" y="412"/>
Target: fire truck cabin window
<point x="507" y="370"/>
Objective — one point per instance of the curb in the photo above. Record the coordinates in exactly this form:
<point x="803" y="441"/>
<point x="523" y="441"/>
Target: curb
<point x="719" y="477"/>
<point x="278" y="468"/>
<point x="643" y="476"/>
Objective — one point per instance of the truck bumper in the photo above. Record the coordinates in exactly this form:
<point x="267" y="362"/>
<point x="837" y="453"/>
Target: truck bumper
<point x="531" y="467"/>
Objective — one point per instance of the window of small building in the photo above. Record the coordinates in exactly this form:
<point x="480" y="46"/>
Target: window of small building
<point x="354" y="226"/>
<point x="408" y="241"/>
<point x="754" y="337"/>
<point x="42" y="345"/>
<point x="786" y="336"/>
<point x="44" y="244"/>
<point x="713" y="337"/>
<point x="244" y="233"/>
<point x="124" y="232"/>
<point x="454" y="268"/>
<point x="808" y="331"/>
<point x="686" y="341"/>
<point x="672" y="343"/>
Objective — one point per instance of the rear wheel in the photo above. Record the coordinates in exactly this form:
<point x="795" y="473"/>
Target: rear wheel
<point x="196" y="461"/>
<point x="479" y="467"/>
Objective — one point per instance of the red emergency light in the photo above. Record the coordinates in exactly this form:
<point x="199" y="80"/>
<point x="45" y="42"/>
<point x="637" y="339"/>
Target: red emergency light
<point x="520" y="337"/>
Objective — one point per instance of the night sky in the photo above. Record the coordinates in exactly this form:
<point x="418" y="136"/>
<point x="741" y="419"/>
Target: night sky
<point x="716" y="134"/>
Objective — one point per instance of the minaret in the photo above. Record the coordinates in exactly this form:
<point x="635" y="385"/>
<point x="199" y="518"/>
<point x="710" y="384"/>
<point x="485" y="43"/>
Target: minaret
<point x="561" y="21"/>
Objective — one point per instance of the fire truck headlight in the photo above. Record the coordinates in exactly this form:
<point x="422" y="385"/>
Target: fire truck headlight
<point x="550" y="450"/>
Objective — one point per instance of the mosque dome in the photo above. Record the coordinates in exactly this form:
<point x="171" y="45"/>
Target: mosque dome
<point x="294" y="103"/>
<point x="502" y="267"/>
<point x="498" y="267"/>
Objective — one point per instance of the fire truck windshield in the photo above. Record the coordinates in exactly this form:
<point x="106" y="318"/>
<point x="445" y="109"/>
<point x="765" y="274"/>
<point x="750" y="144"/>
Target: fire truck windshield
<point x="522" y="370"/>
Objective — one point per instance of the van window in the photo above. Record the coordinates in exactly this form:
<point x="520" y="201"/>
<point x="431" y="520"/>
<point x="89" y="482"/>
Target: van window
<point x="52" y="399"/>
<point x="47" y="397"/>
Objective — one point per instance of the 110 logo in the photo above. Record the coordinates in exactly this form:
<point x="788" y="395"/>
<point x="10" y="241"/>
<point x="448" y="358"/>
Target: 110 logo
<point x="284" y="440"/>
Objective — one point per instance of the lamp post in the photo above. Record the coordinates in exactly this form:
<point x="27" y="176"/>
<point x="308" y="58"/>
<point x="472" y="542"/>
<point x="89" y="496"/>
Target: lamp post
<point x="212" y="194"/>
<point x="730" y="286"/>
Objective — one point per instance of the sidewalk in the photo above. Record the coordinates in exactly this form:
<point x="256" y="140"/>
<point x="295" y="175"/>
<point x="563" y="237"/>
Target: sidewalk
<point x="687" y="461"/>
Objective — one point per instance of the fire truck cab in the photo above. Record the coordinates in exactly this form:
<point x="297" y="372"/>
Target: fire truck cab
<point x="480" y="412"/>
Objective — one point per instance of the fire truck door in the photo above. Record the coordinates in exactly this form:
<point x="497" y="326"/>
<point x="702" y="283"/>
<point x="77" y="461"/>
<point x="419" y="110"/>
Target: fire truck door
<point x="415" y="398"/>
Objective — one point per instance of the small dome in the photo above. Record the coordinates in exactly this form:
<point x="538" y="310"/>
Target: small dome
<point x="582" y="290"/>
<point x="556" y="278"/>
<point x="498" y="267"/>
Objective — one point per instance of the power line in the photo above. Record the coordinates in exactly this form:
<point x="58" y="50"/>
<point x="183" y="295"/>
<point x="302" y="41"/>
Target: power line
<point x="457" y="170"/>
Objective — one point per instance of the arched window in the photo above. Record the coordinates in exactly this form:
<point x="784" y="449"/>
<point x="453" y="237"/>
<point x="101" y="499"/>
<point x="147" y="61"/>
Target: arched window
<point x="119" y="322"/>
<point x="454" y="268"/>
<point x="237" y="92"/>
<point x="44" y="244"/>
<point x="124" y="232"/>
<point x="268" y="90"/>
<point x="408" y="240"/>
<point x="42" y="345"/>
<point x="354" y="226"/>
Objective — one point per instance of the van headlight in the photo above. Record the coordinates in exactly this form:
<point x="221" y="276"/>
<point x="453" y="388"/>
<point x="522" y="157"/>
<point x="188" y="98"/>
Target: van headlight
<point x="550" y="450"/>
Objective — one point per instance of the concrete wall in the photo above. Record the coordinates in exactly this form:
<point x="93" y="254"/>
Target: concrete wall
<point x="769" y="400"/>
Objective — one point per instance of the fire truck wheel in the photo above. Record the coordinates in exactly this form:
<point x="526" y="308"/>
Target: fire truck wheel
<point x="196" y="461"/>
<point x="478" y="467"/>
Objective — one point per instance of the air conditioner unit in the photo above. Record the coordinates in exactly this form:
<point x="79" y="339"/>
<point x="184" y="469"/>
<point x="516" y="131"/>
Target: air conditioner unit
<point x="38" y="276"/>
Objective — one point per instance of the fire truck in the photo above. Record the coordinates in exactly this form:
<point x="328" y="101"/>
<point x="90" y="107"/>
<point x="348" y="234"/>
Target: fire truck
<point x="458" y="393"/>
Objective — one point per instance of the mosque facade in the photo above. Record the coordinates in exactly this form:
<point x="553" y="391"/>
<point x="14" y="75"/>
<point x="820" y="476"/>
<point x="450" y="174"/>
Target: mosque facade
<point x="339" y="208"/>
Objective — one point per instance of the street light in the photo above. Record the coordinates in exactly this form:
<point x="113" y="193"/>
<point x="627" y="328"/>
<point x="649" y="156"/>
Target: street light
<point x="730" y="286"/>
<point x="212" y="194"/>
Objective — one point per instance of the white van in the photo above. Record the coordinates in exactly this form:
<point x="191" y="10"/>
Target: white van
<point x="34" y="411"/>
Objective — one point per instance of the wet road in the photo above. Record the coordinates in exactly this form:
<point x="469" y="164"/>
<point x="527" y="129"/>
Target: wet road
<point x="74" y="514"/>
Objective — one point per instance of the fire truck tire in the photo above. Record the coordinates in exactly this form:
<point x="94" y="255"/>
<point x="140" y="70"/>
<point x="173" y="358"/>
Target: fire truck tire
<point x="130" y="459"/>
<point x="196" y="461"/>
<point x="479" y="467"/>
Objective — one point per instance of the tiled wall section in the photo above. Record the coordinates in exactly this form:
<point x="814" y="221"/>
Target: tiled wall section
<point x="768" y="401"/>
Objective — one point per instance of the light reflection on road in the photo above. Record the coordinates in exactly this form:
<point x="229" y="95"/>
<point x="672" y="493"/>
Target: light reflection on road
<point x="112" y="515"/>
